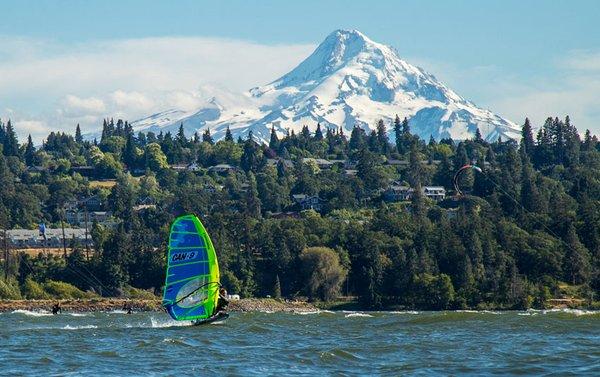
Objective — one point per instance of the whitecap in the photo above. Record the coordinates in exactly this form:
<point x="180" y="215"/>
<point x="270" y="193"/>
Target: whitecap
<point x="78" y="314"/>
<point x="404" y="312"/>
<point x="41" y="313"/>
<point x="576" y="312"/>
<point x="154" y="323"/>
<point x="318" y="311"/>
<point x="477" y="311"/>
<point x="82" y="327"/>
<point x="349" y="315"/>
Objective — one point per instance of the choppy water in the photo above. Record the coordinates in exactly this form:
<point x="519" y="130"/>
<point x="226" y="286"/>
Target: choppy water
<point x="320" y="343"/>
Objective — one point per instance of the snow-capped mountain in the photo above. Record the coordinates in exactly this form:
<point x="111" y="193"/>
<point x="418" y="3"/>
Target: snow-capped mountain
<point x="348" y="80"/>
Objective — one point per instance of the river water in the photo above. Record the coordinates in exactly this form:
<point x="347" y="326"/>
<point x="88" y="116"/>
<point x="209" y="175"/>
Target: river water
<point x="555" y="342"/>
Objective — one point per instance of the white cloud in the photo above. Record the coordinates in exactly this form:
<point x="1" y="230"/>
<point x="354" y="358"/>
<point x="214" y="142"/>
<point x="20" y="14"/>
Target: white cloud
<point x="132" y="100"/>
<point x="36" y="128"/>
<point x="569" y="86"/>
<point x="75" y="107"/>
<point x="63" y="84"/>
<point x="583" y="60"/>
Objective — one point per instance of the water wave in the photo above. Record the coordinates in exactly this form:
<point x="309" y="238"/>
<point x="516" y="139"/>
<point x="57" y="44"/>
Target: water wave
<point x="159" y="324"/>
<point x="311" y="312"/>
<point x="338" y="353"/>
<point x="81" y="327"/>
<point x="41" y="313"/>
<point x="350" y="315"/>
<point x="78" y="314"/>
<point x="404" y="312"/>
<point x="575" y="312"/>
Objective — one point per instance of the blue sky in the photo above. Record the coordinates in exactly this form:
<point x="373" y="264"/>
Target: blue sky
<point x="63" y="62"/>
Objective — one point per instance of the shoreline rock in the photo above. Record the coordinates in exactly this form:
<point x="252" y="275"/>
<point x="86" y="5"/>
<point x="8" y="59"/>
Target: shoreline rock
<point x="141" y="305"/>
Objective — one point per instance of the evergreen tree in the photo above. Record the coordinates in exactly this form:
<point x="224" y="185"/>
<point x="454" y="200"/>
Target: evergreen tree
<point x="253" y="204"/>
<point x="527" y="142"/>
<point x="572" y="145"/>
<point x="577" y="259"/>
<point x="398" y="133"/>
<point x="373" y="142"/>
<point x="228" y="135"/>
<point x="274" y="141"/>
<point x="318" y="133"/>
<point x="11" y="144"/>
<point x="181" y="139"/>
<point x="78" y="137"/>
<point x="105" y="131"/>
<point x="357" y="139"/>
<point x="206" y="137"/>
<point x="129" y="153"/>
<point x="406" y="139"/>
<point x="415" y="170"/>
<point x="29" y="152"/>
<point x="382" y="137"/>
<point x="530" y="196"/>
<point x="478" y="138"/>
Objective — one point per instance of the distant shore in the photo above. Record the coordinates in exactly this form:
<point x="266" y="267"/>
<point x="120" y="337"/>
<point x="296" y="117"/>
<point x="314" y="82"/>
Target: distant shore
<point x="243" y="305"/>
<point x="137" y="305"/>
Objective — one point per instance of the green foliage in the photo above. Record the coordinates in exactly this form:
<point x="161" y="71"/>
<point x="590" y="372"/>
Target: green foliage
<point x="62" y="290"/>
<point x="433" y="292"/>
<point x="323" y="272"/>
<point x="33" y="290"/>
<point x="9" y="289"/>
<point x="135" y="293"/>
<point x="530" y="220"/>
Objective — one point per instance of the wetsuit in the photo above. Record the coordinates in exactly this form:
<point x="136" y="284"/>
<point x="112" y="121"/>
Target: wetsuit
<point x="222" y="304"/>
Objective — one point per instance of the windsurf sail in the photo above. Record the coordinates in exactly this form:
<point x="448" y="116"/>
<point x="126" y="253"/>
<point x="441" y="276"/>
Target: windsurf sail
<point x="192" y="281"/>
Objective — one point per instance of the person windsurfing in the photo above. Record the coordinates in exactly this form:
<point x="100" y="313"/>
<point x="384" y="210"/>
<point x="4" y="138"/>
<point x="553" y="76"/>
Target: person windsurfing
<point x="56" y="308"/>
<point x="222" y="303"/>
<point x="192" y="283"/>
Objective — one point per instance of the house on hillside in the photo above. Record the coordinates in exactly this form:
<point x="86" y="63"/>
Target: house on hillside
<point x="86" y="171"/>
<point x="308" y="202"/>
<point x="30" y="239"/>
<point x="397" y="193"/>
<point x="275" y="161"/>
<point x="179" y="167"/>
<point x="436" y="193"/>
<point x="222" y="168"/>
<point x="78" y="217"/>
<point x="321" y="163"/>
<point x="92" y="203"/>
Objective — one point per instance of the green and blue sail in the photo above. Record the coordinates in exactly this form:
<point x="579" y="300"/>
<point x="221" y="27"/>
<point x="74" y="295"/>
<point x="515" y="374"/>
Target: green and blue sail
<point x="192" y="282"/>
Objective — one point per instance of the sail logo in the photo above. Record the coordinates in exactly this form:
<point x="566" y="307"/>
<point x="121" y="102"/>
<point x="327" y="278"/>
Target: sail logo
<point x="178" y="257"/>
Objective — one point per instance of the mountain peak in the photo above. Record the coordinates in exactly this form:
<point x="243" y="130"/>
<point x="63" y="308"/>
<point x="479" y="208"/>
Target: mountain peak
<point x="350" y="80"/>
<point x="337" y="49"/>
<point x="347" y="36"/>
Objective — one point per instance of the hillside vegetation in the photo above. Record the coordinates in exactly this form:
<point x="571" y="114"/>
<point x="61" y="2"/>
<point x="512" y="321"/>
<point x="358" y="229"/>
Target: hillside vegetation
<point x="526" y="228"/>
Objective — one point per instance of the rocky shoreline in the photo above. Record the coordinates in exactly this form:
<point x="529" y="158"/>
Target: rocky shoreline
<point x="111" y="304"/>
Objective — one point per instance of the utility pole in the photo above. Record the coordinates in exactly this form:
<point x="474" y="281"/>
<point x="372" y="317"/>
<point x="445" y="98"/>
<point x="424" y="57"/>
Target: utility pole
<point x="87" y="244"/>
<point x="5" y="256"/>
<point x="62" y="224"/>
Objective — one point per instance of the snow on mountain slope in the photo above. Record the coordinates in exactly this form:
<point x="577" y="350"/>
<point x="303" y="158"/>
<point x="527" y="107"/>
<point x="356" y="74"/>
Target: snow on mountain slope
<point x="348" y="80"/>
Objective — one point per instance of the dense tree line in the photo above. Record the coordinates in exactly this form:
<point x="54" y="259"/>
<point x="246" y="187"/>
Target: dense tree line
<point x="526" y="225"/>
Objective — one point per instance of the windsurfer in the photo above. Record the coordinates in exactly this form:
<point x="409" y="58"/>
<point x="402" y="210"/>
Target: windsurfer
<point x="56" y="308"/>
<point x="223" y="302"/>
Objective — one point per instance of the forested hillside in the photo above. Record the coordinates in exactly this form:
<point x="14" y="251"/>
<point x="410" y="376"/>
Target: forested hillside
<point x="526" y="225"/>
